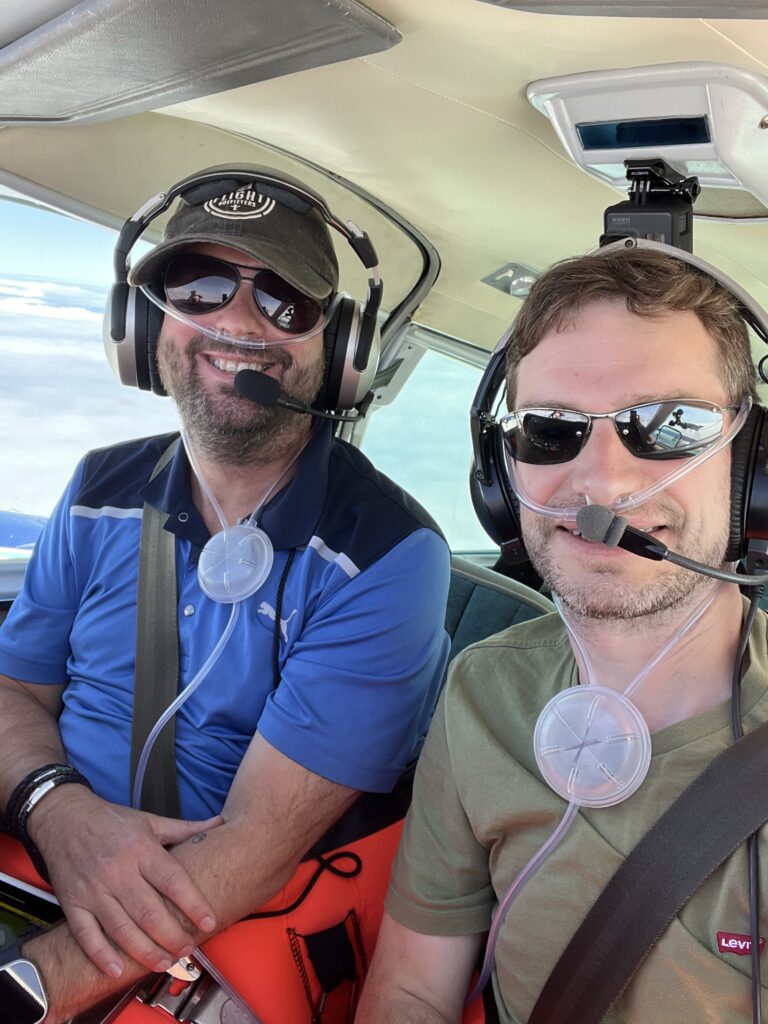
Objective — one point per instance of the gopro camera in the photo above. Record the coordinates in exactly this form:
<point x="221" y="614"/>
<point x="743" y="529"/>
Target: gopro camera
<point x="660" y="206"/>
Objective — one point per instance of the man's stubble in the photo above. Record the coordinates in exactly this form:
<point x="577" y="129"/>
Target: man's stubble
<point x="222" y="425"/>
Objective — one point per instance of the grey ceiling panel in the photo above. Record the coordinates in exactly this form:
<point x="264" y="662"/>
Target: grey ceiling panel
<point x="17" y="19"/>
<point x="710" y="9"/>
<point x="108" y="58"/>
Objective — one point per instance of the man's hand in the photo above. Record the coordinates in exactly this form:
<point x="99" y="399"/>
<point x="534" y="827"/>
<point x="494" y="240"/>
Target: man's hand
<point x="110" y="872"/>
<point x="274" y="812"/>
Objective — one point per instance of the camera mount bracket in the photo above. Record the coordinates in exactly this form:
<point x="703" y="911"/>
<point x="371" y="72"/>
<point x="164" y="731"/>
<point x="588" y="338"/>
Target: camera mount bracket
<point x="660" y="206"/>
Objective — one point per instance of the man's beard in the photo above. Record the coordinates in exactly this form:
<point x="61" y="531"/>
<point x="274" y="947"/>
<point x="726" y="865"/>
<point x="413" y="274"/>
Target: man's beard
<point x="605" y="592"/>
<point x="225" y="427"/>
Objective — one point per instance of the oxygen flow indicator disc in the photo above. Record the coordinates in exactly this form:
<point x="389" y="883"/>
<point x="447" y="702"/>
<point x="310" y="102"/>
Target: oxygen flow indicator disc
<point x="592" y="746"/>
<point x="235" y="563"/>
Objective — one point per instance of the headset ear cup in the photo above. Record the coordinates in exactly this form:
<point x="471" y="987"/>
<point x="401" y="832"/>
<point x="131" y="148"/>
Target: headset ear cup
<point x="154" y="322"/>
<point x="345" y="386"/>
<point x="743" y="454"/>
<point x="494" y="501"/>
<point x="334" y="360"/>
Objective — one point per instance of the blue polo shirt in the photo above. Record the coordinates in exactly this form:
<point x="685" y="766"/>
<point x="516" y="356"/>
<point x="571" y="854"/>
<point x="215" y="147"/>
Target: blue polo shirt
<point x="362" y="646"/>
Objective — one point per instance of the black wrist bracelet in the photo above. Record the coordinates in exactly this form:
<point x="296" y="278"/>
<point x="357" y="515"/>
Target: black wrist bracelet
<point x="44" y="781"/>
<point x="38" y="861"/>
<point x="24" y="788"/>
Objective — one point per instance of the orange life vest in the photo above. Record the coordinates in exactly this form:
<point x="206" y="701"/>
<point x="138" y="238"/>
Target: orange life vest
<point x="318" y="931"/>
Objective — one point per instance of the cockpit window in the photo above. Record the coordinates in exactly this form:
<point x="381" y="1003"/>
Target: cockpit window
<point x="422" y="441"/>
<point x="57" y="396"/>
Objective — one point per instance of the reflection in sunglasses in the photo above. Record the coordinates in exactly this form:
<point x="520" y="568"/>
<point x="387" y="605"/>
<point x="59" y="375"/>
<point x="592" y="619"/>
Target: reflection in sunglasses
<point x="196" y="284"/>
<point x="654" y="430"/>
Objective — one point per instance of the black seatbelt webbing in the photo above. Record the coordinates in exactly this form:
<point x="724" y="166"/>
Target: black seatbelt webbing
<point x="724" y="805"/>
<point x="157" y="657"/>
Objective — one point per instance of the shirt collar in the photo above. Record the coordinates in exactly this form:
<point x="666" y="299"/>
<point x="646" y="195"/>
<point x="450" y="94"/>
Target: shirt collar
<point x="169" y="491"/>
<point x="289" y="519"/>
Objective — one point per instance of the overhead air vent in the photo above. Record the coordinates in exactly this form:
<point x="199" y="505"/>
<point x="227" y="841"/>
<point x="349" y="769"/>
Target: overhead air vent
<point x="707" y="120"/>
<point x="62" y="62"/>
<point x="643" y="8"/>
<point x="515" y="279"/>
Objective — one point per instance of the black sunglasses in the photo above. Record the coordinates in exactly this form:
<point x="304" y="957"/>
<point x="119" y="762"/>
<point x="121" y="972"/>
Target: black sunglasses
<point x="196" y="284"/>
<point x="675" y="429"/>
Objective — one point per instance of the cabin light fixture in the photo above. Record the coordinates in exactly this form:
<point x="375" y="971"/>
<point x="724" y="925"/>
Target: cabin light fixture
<point x="513" y="278"/>
<point x="702" y="118"/>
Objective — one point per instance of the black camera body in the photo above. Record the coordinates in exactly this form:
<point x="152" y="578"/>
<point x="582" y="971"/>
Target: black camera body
<point x="660" y="206"/>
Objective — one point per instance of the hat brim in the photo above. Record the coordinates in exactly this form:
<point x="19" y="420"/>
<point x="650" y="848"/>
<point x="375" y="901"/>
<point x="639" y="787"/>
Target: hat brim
<point x="303" y="277"/>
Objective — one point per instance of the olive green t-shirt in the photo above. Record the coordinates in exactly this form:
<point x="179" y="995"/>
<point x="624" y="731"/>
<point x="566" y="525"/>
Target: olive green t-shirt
<point x="481" y="810"/>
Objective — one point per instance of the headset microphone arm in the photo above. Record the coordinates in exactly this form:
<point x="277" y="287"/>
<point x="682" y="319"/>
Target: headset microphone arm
<point x="264" y="390"/>
<point x="598" y="524"/>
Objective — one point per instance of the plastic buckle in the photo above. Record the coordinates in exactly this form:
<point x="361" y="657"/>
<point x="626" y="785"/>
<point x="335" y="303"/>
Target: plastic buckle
<point x="199" y="1001"/>
<point x="184" y="969"/>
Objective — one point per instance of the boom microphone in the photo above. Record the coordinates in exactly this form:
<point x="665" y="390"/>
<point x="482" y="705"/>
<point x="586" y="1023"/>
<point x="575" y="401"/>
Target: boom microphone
<point x="599" y="524"/>
<point x="264" y="390"/>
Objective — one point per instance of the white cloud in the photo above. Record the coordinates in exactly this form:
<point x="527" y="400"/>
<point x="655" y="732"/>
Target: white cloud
<point x="34" y="289"/>
<point x="27" y="297"/>
<point x="58" y="398"/>
<point x="26" y="306"/>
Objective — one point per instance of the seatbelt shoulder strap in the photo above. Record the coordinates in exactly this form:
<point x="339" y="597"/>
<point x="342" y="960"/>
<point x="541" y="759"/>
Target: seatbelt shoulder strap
<point x="717" y="812"/>
<point x="157" y="656"/>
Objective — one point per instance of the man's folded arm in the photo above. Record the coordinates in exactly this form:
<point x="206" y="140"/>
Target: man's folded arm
<point x="275" y="811"/>
<point x="29" y="732"/>
<point x="417" y="978"/>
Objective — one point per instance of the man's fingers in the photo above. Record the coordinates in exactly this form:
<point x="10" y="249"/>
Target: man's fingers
<point x="133" y="933"/>
<point x="94" y="943"/>
<point x="167" y="876"/>
<point x="163" y="936"/>
<point x="139" y="901"/>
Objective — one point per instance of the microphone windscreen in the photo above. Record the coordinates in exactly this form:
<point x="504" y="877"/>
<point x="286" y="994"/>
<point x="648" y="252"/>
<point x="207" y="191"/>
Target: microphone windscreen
<point x="259" y="387"/>
<point x="599" y="524"/>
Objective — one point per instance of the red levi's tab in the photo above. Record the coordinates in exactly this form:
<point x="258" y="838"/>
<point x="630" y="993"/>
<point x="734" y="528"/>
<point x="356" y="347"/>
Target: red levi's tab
<point x="733" y="942"/>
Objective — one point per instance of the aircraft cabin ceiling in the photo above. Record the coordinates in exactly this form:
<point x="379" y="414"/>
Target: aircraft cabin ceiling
<point x="437" y="126"/>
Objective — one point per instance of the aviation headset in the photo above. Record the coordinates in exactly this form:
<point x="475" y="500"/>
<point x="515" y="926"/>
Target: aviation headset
<point x="496" y="504"/>
<point x="132" y="322"/>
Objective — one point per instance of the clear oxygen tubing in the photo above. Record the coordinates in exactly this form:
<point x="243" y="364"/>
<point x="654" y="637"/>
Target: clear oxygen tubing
<point x="563" y="826"/>
<point x="213" y="657"/>
<point x="224" y="337"/>
<point x="632" y="501"/>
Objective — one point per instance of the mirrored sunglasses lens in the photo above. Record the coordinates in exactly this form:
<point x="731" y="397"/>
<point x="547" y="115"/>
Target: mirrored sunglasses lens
<point x="669" y="430"/>
<point x="544" y="437"/>
<point x="199" y="284"/>
<point x="285" y="306"/>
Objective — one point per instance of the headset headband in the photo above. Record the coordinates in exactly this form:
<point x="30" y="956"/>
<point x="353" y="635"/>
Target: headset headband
<point x="216" y="181"/>
<point x="354" y="336"/>
<point x="751" y="312"/>
<point x="496" y="505"/>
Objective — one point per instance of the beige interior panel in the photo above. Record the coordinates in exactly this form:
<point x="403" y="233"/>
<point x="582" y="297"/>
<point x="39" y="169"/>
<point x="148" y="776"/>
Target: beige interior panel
<point x="122" y="175"/>
<point x="440" y="129"/>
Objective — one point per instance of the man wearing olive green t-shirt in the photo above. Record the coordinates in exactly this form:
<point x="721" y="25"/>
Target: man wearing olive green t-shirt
<point x="608" y="333"/>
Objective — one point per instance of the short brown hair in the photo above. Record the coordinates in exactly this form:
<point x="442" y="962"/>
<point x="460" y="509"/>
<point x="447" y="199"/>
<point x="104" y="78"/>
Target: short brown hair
<point x="651" y="283"/>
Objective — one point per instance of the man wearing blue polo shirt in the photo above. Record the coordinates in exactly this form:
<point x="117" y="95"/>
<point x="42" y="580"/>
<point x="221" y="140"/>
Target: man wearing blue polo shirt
<point x="324" y="681"/>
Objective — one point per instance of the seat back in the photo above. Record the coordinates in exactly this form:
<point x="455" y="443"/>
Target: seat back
<point x="482" y="602"/>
